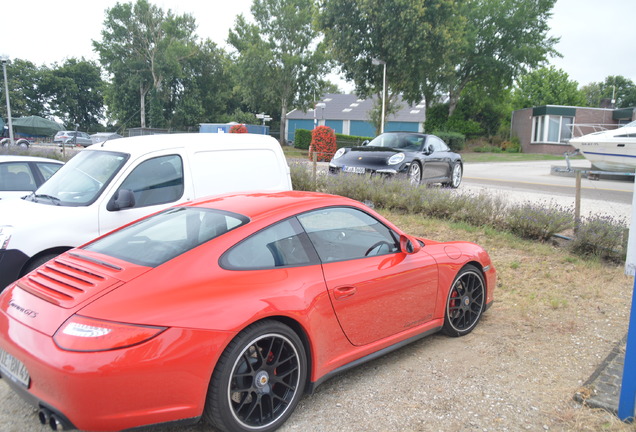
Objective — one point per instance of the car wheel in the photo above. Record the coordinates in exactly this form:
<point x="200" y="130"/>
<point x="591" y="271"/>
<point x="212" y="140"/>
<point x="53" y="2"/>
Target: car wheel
<point x="465" y="303"/>
<point x="37" y="262"/>
<point x="415" y="173"/>
<point x="456" y="176"/>
<point x="258" y="380"/>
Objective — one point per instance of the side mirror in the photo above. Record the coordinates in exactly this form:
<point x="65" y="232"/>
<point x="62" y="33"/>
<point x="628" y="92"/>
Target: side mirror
<point x="409" y="245"/>
<point x="429" y="149"/>
<point x="123" y="199"/>
<point x="365" y="142"/>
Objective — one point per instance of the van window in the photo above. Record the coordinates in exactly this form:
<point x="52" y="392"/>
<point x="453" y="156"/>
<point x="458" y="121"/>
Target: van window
<point x="156" y="181"/>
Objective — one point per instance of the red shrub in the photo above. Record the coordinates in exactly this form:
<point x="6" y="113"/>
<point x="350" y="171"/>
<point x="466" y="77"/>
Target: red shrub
<point x="238" y="128"/>
<point x="323" y="143"/>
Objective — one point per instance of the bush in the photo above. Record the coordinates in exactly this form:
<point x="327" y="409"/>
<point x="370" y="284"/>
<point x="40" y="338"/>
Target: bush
<point x="302" y="139"/>
<point x="238" y="128"/>
<point x="538" y="221"/>
<point x="323" y="144"/>
<point x="487" y="149"/>
<point x="350" y="140"/>
<point x="601" y="236"/>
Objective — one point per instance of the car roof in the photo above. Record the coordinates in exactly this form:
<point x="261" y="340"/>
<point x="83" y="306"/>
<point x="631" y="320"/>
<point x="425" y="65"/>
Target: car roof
<point x="144" y="144"/>
<point x="257" y="205"/>
<point x="17" y="158"/>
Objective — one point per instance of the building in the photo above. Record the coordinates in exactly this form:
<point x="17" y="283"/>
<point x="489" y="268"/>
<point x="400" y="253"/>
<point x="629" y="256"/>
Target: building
<point x="548" y="128"/>
<point x="347" y="114"/>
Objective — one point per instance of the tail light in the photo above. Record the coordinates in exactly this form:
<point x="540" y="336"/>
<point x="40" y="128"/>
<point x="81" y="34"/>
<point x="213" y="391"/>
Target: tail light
<point x="81" y="333"/>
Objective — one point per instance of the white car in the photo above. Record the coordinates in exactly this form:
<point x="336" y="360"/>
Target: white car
<point x="109" y="185"/>
<point x="72" y="138"/>
<point x="21" y="175"/>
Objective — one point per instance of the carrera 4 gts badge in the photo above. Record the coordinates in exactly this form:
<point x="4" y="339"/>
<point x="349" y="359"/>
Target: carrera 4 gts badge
<point x="28" y="312"/>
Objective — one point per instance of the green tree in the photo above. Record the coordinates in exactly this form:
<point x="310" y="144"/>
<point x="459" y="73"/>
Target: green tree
<point x="23" y="80"/>
<point x="617" y="87"/>
<point x="142" y="48"/>
<point x="411" y="36"/>
<point x="74" y="92"/>
<point x="546" y="86"/>
<point x="279" y="60"/>
<point x="502" y="39"/>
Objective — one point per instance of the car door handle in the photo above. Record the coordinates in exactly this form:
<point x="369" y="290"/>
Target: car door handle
<point x="341" y="293"/>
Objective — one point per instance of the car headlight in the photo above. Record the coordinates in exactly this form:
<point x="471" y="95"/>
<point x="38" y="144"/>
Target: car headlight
<point x="339" y="153"/>
<point x="5" y="236"/>
<point x="396" y="159"/>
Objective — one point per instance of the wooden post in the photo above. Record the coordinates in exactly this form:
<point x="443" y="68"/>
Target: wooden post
<point x="577" y="202"/>
<point x="315" y="172"/>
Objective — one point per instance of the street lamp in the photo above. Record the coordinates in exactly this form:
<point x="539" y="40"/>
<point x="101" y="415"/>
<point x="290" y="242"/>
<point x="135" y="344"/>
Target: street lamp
<point x="378" y="62"/>
<point x="5" y="59"/>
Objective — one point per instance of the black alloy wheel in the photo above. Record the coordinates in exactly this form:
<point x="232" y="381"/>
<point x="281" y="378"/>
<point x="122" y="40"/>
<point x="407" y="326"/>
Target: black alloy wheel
<point x="465" y="303"/>
<point x="258" y="380"/>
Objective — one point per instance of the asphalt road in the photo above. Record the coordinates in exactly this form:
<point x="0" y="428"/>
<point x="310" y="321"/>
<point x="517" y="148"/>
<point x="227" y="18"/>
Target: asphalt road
<point x="534" y="181"/>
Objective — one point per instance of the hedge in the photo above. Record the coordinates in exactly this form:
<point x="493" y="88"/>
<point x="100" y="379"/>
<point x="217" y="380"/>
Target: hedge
<point x="302" y="139"/>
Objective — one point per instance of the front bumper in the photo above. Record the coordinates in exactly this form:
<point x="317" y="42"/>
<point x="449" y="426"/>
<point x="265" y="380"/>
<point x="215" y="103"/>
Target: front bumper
<point x="11" y="263"/>
<point x="162" y="380"/>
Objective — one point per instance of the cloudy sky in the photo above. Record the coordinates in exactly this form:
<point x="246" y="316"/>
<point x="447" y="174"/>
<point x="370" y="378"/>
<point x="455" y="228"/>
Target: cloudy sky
<point x="597" y="37"/>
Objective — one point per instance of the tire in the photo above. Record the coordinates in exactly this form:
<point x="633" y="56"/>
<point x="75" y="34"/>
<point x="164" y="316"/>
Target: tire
<point x="258" y="380"/>
<point x="37" y="262"/>
<point x="465" y="302"/>
<point x="414" y="173"/>
<point x="456" y="176"/>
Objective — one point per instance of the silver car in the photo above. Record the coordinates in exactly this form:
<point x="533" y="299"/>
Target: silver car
<point x="72" y="138"/>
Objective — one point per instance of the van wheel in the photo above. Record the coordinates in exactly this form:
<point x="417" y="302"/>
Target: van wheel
<point x="37" y="262"/>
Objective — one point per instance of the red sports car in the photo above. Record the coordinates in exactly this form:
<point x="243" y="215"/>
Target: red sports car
<point x="228" y="309"/>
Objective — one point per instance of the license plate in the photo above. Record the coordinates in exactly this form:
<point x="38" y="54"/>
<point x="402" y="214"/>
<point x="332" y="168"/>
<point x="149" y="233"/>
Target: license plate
<point x="14" y="369"/>
<point x="355" y="170"/>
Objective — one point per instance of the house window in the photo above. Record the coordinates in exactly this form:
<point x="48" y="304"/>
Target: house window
<point x="551" y="129"/>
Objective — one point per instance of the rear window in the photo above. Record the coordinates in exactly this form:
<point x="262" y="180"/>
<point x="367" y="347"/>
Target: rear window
<point x="164" y="236"/>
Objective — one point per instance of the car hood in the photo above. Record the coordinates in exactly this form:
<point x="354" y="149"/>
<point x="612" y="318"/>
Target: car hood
<point x="19" y="212"/>
<point x="49" y="295"/>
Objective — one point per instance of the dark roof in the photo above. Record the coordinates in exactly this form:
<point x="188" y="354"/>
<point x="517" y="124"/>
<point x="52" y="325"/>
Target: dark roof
<point x="351" y="107"/>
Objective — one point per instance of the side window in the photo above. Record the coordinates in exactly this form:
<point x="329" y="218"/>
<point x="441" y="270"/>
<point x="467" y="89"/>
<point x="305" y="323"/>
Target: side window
<point x="16" y="177"/>
<point x="48" y="169"/>
<point x="437" y="143"/>
<point x="344" y="233"/>
<point x="281" y="245"/>
<point x="156" y="181"/>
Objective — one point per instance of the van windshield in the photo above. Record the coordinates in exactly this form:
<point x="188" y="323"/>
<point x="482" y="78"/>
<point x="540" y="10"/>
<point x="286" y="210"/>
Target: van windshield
<point x="81" y="180"/>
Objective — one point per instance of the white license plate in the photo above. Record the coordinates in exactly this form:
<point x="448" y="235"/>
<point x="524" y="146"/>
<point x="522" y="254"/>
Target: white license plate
<point x="356" y="170"/>
<point x="13" y="368"/>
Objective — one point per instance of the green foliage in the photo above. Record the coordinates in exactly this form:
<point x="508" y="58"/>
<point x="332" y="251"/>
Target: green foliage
<point x="538" y="221"/>
<point x="546" y="86"/>
<point x="280" y="61"/>
<point x="302" y="139"/>
<point x="350" y="140"/>
<point x="24" y="89"/>
<point x="622" y="89"/>
<point x="323" y="144"/>
<point x="488" y="149"/>
<point x="601" y="236"/>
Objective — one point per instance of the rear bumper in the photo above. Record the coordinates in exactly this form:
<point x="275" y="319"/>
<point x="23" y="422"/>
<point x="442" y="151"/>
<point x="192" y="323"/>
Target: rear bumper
<point x="160" y="381"/>
<point x="11" y="263"/>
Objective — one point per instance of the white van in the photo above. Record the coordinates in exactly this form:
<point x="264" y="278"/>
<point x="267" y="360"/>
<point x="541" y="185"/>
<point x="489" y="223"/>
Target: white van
<point x="110" y="184"/>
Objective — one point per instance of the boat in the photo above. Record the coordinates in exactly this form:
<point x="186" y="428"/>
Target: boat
<point x="609" y="150"/>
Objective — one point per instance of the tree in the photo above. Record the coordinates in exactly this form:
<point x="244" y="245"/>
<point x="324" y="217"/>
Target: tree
<point x="618" y="88"/>
<point x="411" y="36"/>
<point x="23" y="80"/>
<point x="74" y="92"/>
<point x="502" y="39"/>
<point x="279" y="59"/>
<point x="142" y="48"/>
<point x="546" y="86"/>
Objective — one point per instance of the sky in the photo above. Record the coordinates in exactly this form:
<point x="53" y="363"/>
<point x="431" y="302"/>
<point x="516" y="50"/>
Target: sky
<point x="597" y="37"/>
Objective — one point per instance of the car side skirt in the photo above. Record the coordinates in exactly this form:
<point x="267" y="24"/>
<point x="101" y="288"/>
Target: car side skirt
<point x="311" y="387"/>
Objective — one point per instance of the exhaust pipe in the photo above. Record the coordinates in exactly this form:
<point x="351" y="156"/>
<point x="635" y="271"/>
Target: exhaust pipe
<point x="55" y="423"/>
<point x="44" y="416"/>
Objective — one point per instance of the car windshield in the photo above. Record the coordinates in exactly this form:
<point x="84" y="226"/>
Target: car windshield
<point x="162" y="237"/>
<point x="81" y="180"/>
<point x="398" y="141"/>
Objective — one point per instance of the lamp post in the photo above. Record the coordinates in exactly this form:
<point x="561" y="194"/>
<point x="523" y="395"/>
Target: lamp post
<point x="378" y="62"/>
<point x="4" y="60"/>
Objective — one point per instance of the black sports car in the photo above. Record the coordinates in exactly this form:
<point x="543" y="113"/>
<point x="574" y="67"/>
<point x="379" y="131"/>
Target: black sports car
<point x="419" y="157"/>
